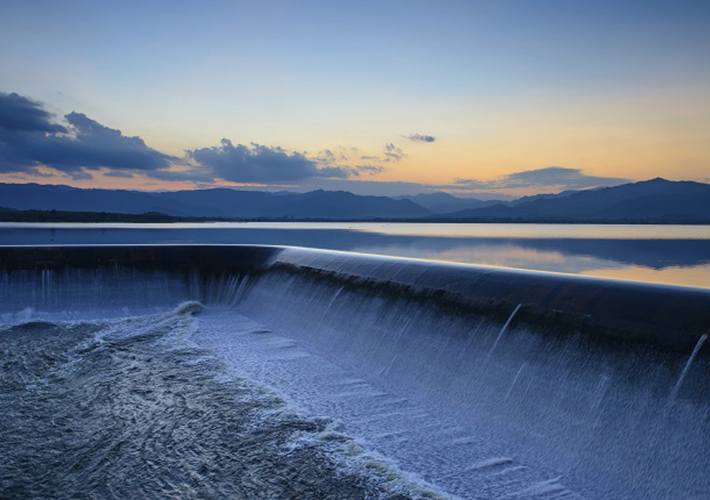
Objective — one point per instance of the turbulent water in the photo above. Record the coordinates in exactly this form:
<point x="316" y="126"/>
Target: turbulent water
<point x="132" y="408"/>
<point x="294" y="381"/>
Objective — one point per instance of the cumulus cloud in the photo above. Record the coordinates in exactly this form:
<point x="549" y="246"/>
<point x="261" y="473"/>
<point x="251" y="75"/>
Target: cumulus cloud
<point x="34" y="141"/>
<point x="559" y="177"/>
<point x="420" y="138"/>
<point x="255" y="163"/>
<point x="30" y="137"/>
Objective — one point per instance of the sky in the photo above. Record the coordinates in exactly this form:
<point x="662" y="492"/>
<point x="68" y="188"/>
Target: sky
<point x="487" y="99"/>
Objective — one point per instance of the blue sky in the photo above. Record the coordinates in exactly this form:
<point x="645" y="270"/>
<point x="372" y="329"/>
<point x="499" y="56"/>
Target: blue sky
<point x="609" y="89"/>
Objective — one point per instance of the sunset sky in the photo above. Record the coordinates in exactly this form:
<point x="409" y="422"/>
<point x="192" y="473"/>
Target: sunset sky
<point x="382" y="97"/>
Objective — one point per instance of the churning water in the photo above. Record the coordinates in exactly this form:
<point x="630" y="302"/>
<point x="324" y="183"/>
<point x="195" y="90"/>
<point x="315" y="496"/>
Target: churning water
<point x="132" y="408"/>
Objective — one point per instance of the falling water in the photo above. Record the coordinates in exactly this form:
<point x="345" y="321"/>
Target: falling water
<point x="378" y="346"/>
<point x="684" y="373"/>
<point x="502" y="331"/>
<point x="515" y="381"/>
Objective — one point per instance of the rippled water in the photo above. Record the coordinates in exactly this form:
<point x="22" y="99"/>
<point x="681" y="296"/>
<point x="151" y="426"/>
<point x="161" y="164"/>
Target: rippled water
<point x="131" y="408"/>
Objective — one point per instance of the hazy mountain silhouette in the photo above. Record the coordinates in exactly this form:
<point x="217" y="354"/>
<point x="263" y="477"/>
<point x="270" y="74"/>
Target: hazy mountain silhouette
<point x="534" y="197"/>
<point x="443" y="203"/>
<point x="42" y="197"/>
<point x="656" y="200"/>
<point x="226" y="203"/>
<point x="346" y="205"/>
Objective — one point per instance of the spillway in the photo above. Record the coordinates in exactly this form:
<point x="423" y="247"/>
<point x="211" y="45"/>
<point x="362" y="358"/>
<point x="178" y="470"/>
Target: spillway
<point x="465" y="380"/>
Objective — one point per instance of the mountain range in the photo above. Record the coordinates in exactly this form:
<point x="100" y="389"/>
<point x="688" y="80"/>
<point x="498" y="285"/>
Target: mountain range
<point x="654" y="201"/>
<point x="218" y="203"/>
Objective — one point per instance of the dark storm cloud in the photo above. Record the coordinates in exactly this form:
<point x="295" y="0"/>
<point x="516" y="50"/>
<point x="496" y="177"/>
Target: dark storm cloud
<point x="567" y="178"/>
<point x="421" y="138"/>
<point x="29" y="139"/>
<point x="261" y="164"/>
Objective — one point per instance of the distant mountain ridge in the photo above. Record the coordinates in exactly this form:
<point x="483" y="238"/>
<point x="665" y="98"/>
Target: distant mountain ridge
<point x="657" y="200"/>
<point x="443" y="203"/>
<point x="654" y="201"/>
<point x="218" y="203"/>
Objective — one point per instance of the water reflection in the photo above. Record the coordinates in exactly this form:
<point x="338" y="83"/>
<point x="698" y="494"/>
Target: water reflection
<point x="662" y="254"/>
<point x="680" y="262"/>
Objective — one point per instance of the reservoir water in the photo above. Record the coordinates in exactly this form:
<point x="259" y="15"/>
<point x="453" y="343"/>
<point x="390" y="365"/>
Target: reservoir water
<point x="650" y="253"/>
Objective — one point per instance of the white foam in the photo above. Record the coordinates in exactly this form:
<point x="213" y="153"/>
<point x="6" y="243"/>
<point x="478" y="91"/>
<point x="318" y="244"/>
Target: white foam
<point x="398" y="433"/>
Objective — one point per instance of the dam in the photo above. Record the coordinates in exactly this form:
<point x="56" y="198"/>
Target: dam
<point x="284" y="372"/>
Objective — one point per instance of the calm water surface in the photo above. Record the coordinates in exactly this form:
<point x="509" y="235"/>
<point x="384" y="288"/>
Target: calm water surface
<point x="663" y="254"/>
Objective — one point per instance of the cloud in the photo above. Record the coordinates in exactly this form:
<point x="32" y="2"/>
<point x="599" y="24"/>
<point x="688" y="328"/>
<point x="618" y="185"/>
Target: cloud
<point x="557" y="177"/>
<point x="334" y="172"/>
<point x="36" y="142"/>
<point x="30" y="139"/>
<point x="80" y="175"/>
<point x="348" y="159"/>
<point x="393" y="153"/>
<point x="19" y="114"/>
<point x="370" y="169"/>
<point x="120" y="174"/>
<point x="326" y="157"/>
<point x="255" y="163"/>
<point x="420" y="138"/>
